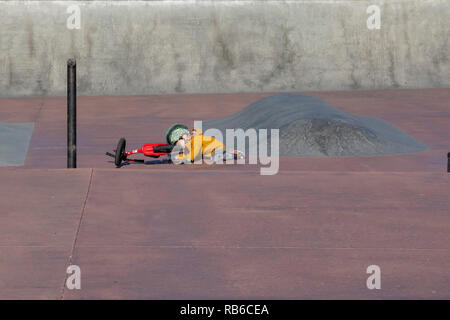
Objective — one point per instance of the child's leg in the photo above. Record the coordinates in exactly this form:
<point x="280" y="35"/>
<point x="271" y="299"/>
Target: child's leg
<point x="221" y="155"/>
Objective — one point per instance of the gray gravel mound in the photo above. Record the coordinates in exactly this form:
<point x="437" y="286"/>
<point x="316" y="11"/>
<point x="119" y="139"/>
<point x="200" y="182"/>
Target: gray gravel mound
<point x="309" y="127"/>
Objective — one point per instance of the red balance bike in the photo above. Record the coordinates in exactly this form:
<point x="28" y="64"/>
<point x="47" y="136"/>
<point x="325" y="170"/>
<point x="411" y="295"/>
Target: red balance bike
<point x="154" y="150"/>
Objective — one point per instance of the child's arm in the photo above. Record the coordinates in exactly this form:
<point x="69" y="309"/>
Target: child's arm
<point x="195" y="148"/>
<point x="192" y="151"/>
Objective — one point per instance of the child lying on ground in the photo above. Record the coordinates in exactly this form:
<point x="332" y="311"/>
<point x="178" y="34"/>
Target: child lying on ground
<point x="193" y="146"/>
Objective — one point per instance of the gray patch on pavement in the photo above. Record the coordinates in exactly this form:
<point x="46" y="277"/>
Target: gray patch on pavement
<point x="14" y="142"/>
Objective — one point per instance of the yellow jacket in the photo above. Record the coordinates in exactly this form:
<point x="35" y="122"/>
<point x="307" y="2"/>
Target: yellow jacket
<point x="200" y="146"/>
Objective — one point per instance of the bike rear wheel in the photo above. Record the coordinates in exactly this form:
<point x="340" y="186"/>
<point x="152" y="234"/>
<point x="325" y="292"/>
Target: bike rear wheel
<point x="120" y="152"/>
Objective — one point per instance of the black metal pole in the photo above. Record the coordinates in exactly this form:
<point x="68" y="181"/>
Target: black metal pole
<point x="71" y="113"/>
<point x="448" y="162"/>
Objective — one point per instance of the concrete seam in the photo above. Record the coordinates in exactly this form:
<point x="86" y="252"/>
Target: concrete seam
<point x="38" y="115"/>
<point x="77" y="232"/>
<point x="264" y="247"/>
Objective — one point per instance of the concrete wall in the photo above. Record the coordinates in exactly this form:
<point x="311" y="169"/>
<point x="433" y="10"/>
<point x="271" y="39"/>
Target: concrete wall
<point x="148" y="47"/>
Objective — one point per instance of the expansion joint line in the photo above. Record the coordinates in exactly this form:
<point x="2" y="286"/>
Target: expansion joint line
<point x="41" y="106"/>
<point x="76" y="233"/>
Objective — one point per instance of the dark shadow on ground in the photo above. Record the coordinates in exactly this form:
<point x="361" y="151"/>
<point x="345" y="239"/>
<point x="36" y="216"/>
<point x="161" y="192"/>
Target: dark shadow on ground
<point x="150" y="162"/>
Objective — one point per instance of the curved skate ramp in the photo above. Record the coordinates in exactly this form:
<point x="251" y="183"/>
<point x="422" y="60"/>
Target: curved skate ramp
<point x="310" y="127"/>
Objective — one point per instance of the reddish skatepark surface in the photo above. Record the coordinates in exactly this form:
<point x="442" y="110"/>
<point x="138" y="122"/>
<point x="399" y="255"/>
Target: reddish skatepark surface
<point x="162" y="231"/>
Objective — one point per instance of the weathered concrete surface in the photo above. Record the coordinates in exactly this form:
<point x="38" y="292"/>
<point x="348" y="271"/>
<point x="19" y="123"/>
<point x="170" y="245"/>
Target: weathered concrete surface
<point x="248" y="236"/>
<point x="150" y="47"/>
<point x="243" y="208"/>
<point x="241" y="235"/>
<point x="166" y="231"/>
<point x="145" y="272"/>
<point x="40" y="211"/>
<point x="423" y="114"/>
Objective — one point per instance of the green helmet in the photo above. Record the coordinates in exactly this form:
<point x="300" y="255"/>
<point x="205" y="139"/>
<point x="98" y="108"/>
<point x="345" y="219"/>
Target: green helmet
<point x="175" y="132"/>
